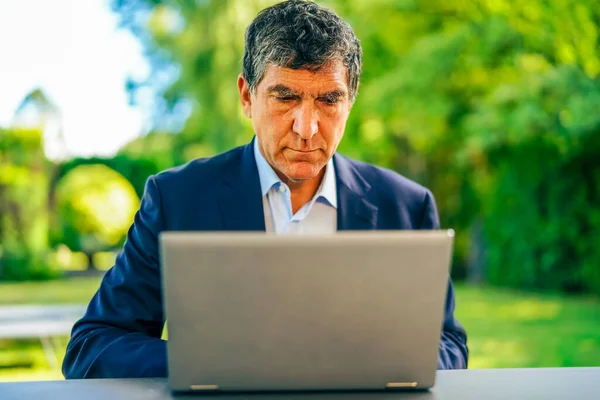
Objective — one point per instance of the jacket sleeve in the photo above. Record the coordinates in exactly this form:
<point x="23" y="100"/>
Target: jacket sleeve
<point x="454" y="353"/>
<point x="119" y="335"/>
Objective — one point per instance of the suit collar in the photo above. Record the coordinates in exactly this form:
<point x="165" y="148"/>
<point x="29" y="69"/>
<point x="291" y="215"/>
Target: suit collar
<point x="355" y="212"/>
<point x="267" y="176"/>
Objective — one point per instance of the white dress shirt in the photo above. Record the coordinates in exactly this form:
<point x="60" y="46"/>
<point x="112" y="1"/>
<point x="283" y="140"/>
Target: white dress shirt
<point x="318" y="216"/>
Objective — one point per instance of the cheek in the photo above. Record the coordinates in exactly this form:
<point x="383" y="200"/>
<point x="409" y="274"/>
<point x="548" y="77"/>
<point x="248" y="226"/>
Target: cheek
<point x="334" y="129"/>
<point x="279" y="125"/>
<point x="272" y="131"/>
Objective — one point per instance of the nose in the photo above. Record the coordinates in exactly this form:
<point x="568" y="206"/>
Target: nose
<point x="306" y="121"/>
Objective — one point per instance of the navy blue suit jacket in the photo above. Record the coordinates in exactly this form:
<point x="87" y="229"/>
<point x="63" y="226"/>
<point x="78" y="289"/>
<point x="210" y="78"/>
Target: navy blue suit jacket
<point x="119" y="335"/>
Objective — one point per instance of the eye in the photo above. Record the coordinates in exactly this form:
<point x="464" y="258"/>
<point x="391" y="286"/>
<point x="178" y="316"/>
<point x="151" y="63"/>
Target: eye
<point x="330" y="101"/>
<point x="285" y="99"/>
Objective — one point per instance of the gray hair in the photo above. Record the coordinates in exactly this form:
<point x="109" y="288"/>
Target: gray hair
<point x="300" y="34"/>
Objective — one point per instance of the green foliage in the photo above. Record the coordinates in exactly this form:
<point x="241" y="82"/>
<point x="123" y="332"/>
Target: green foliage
<point x="23" y="205"/>
<point x="196" y="48"/>
<point x="491" y="104"/>
<point x="136" y="167"/>
<point x="543" y="142"/>
<point x="95" y="207"/>
<point x="155" y="146"/>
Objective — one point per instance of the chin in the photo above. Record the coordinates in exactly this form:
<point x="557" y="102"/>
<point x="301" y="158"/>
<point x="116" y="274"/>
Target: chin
<point x="302" y="172"/>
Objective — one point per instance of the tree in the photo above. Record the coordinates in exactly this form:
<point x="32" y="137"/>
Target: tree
<point x="195" y="49"/>
<point x="95" y="207"/>
<point x="23" y="205"/>
<point x="542" y="200"/>
<point x="135" y="168"/>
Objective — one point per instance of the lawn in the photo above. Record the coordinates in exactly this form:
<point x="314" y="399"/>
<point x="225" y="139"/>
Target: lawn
<point x="512" y="329"/>
<point x="24" y="359"/>
<point x="506" y="328"/>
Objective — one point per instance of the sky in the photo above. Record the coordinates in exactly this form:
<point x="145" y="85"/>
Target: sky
<point x="74" y="52"/>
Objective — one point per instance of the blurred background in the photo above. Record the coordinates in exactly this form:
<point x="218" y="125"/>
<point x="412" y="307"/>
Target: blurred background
<point x="492" y="104"/>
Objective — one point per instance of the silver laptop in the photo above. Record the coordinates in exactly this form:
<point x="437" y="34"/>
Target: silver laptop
<point x="261" y="312"/>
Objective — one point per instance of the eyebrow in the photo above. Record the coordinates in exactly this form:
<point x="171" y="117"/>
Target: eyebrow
<point x="284" y="91"/>
<point x="335" y="94"/>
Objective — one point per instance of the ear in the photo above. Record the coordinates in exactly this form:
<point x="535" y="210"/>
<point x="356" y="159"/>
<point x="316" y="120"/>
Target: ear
<point x="245" y="96"/>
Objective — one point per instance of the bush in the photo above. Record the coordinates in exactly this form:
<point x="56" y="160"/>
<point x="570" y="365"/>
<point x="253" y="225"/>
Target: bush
<point x="542" y="202"/>
<point x="95" y="206"/>
<point x="23" y="205"/>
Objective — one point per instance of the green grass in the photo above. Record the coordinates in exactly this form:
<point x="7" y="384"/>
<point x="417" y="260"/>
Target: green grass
<point x="506" y="328"/>
<point x="25" y="359"/>
<point x="63" y="291"/>
<point x="509" y="328"/>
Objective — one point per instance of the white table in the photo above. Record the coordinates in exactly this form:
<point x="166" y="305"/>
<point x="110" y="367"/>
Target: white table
<point x="499" y="384"/>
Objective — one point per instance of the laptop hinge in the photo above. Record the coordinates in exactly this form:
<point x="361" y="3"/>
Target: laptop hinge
<point x="401" y="385"/>
<point x="204" y="388"/>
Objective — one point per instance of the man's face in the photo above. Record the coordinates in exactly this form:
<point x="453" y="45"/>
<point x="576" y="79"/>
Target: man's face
<point x="298" y="117"/>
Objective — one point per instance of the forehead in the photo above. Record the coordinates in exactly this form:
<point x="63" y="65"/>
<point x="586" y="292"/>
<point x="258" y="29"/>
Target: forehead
<point x="333" y="76"/>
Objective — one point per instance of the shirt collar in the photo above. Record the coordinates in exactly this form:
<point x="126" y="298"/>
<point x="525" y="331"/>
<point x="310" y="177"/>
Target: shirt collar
<point x="268" y="178"/>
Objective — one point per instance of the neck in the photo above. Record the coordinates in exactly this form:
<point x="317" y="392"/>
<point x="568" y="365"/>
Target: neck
<point x="303" y="192"/>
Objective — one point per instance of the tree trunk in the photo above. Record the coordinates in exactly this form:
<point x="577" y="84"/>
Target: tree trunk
<point x="90" y="266"/>
<point x="476" y="263"/>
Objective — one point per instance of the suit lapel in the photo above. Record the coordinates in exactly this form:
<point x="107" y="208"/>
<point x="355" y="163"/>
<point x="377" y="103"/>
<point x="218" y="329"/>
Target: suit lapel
<point x="354" y="212"/>
<point x="241" y="203"/>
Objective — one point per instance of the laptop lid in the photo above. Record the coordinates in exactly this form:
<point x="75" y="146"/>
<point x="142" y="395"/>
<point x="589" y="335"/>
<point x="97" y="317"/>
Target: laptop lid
<point x="348" y="311"/>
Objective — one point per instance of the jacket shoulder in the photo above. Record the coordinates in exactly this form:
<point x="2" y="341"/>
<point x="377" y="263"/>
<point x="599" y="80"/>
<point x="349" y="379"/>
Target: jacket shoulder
<point x="388" y="182"/>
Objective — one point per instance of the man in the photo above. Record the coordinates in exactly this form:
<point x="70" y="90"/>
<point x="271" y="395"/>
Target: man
<point x="300" y="77"/>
